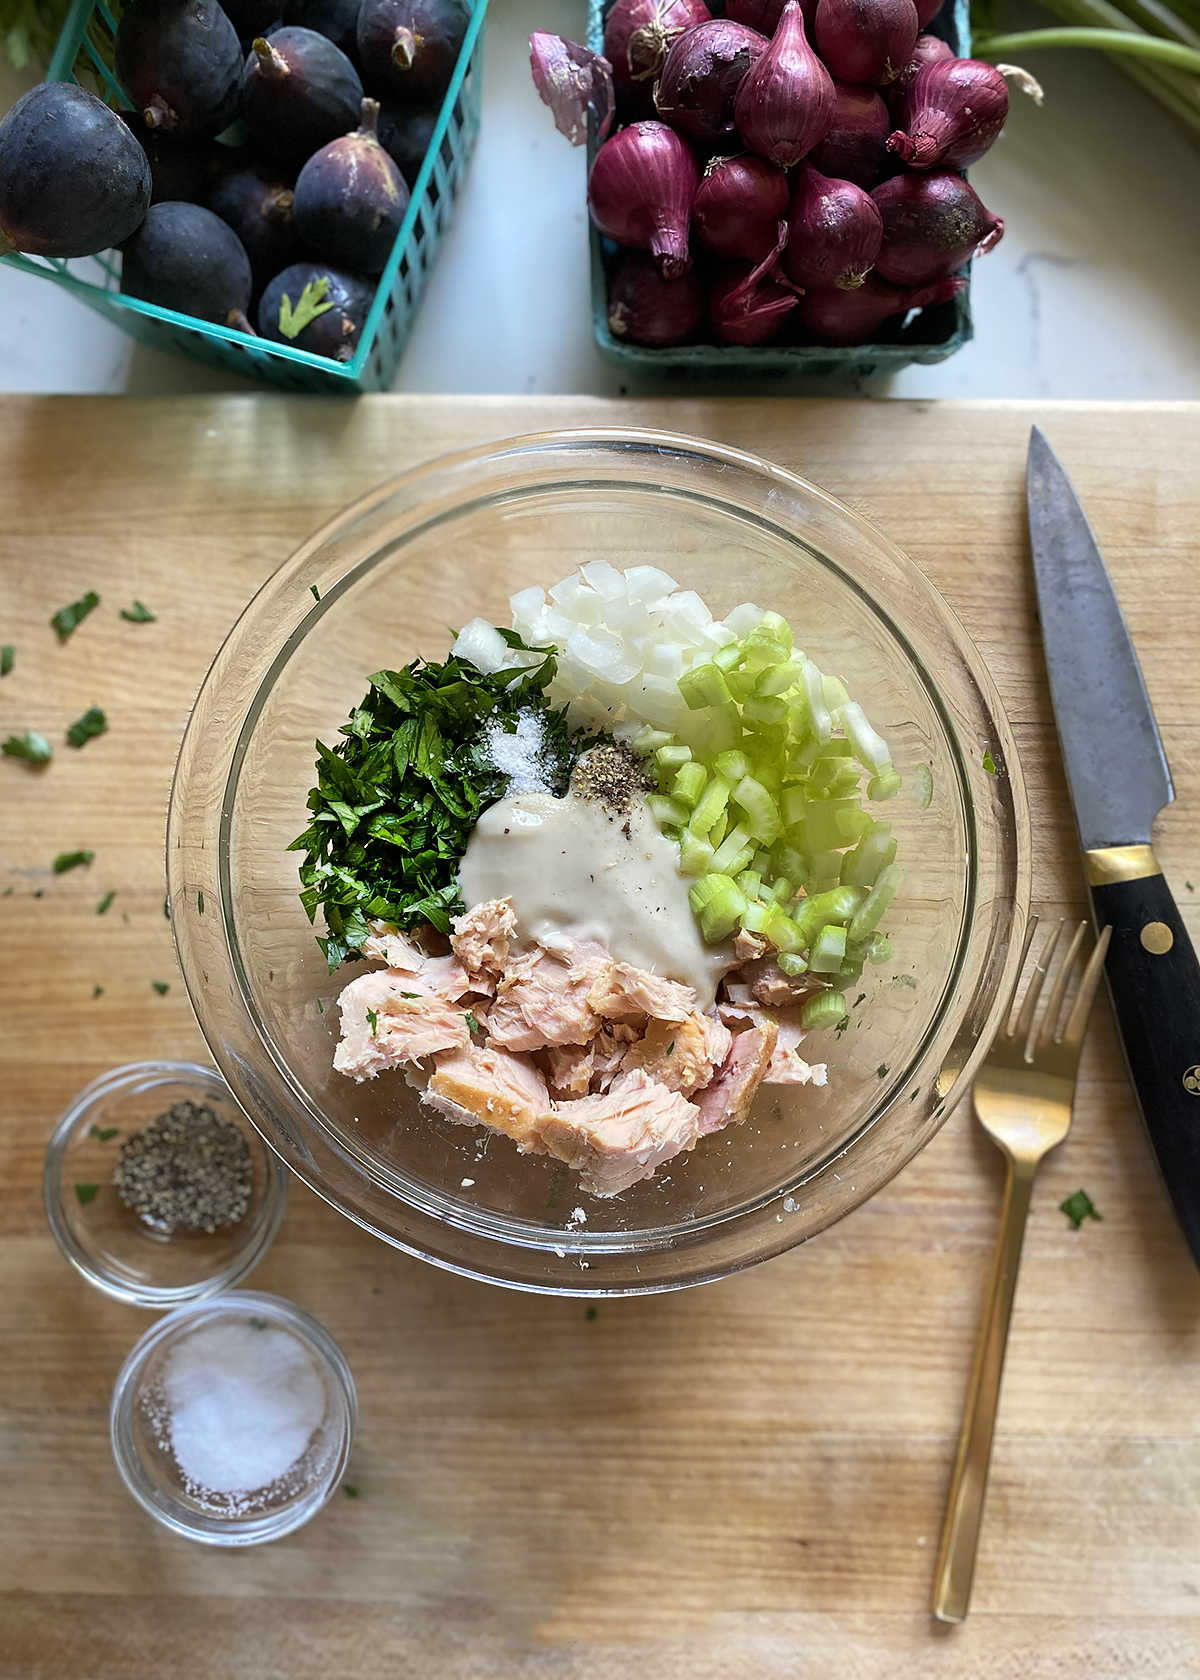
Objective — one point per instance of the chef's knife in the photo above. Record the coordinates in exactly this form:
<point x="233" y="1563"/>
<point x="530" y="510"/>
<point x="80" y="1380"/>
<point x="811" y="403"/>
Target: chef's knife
<point x="1119" y="782"/>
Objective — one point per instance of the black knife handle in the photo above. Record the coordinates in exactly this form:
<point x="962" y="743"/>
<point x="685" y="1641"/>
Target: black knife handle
<point x="1154" y="980"/>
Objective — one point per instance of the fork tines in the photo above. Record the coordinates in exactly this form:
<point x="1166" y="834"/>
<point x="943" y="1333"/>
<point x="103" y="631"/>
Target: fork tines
<point x="1072" y="1030"/>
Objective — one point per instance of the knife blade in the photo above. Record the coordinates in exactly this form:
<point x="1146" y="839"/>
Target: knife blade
<point x="1119" y="781"/>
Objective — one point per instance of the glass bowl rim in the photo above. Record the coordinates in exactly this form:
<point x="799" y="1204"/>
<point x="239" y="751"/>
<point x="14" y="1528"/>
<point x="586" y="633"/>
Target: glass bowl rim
<point x="85" y="1262"/>
<point x="280" y="594"/>
<point x="235" y="1531"/>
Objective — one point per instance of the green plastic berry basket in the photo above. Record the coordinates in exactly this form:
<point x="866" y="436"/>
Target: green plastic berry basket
<point x="84" y="54"/>
<point x="930" y="336"/>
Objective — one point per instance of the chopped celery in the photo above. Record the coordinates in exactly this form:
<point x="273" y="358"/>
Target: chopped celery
<point x="739" y="860"/>
<point x="777" y="679"/>
<point x="825" y="866"/>
<point x="875" y="948"/>
<point x="719" y="830"/>
<point x="755" y="917"/>
<point x="792" y="802"/>
<point x="869" y="857"/>
<point x="781" y="890"/>
<point x="838" y="905"/>
<point x="689" y="784"/>
<point x="711" y="805"/>
<point x="762" y="814"/>
<point x="733" y="845"/>
<point x="853" y="823"/>
<point x="732" y="765"/>
<point x="821" y="831"/>
<point x="791" y="964"/>
<point x="828" y="951"/>
<point x="885" y="785"/>
<point x="667" y="810"/>
<point x="786" y="860"/>
<point x="728" y="657"/>
<point x="766" y="709"/>
<point x="923" y="786"/>
<point x="833" y="690"/>
<point x="762" y="863"/>
<point x="869" y="748"/>
<point x="672" y="755"/>
<point x="890" y="855"/>
<point x="648" y="741"/>
<point x="814" y="693"/>
<point x="704" y="685"/>
<point x="695" y="853"/>
<point x="741" y="684"/>
<point x="719" y="906"/>
<point x="783" y="932"/>
<point x="724" y="731"/>
<point x="867" y="917"/>
<point x="750" y="882"/>
<point x="844" y="783"/>
<point x="824" y="1010"/>
<point x="771" y="627"/>
<point x="769" y="775"/>
<point x="760" y="655"/>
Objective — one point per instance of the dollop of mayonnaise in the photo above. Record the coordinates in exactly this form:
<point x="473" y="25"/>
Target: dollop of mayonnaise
<point x="573" y="866"/>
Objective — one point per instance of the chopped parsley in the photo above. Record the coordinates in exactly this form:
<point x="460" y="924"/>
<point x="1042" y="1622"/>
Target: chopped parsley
<point x="86" y="1193"/>
<point x="861" y="998"/>
<point x="257" y="1323"/>
<point x="167" y="908"/>
<point x="320" y="1007"/>
<point x="916" y="1092"/>
<point x="410" y="994"/>
<point x="97" y="991"/>
<point x="314" y="592"/>
<point x="32" y="747"/>
<point x="671" y="1048"/>
<point x="592" y="1314"/>
<point x="472" y="1023"/>
<point x="162" y="987"/>
<point x="989" y="763"/>
<point x="7" y="656"/>
<point x="1189" y="886"/>
<point x="397" y="799"/>
<point x="86" y="728"/>
<point x="1078" y="1208"/>
<point x="67" y="619"/>
<point x="71" y="860"/>
<point x="200" y="902"/>
<point x="841" y="1026"/>
<point x="104" y="903"/>
<point x="349" y="1490"/>
<point x="138" y="614"/>
<point x="882" y="1070"/>
<point x="103" y="1132"/>
<point x="373" y="1018"/>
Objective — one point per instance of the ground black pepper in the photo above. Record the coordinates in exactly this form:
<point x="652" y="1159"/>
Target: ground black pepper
<point x="187" y="1170"/>
<point x="613" y="774"/>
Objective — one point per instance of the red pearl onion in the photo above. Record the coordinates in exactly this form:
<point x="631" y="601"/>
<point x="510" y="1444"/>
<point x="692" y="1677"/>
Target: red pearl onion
<point x="739" y="206"/>
<point x="700" y="78"/>
<point x="928" y="49"/>
<point x="746" y="306"/>
<point x="572" y="81"/>
<point x="855" y="149"/>
<point x="638" y="35"/>
<point x="834" y="233"/>
<point x="927" y="10"/>
<point x="641" y="190"/>
<point x="643" y="308"/>
<point x="931" y="225"/>
<point x="837" y="318"/>
<point x="785" y="103"/>
<point x="866" y="40"/>
<point x="764" y="15"/>
<point x="954" y="111"/>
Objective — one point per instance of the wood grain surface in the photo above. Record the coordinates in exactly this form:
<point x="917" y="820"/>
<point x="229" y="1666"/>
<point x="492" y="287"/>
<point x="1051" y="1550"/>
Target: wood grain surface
<point x="745" y="1479"/>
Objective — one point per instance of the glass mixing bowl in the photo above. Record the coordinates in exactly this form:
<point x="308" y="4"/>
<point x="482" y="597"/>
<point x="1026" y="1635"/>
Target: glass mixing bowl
<point x="386" y="581"/>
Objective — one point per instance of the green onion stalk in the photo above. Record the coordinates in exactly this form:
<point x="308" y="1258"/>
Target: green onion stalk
<point x="1155" y="44"/>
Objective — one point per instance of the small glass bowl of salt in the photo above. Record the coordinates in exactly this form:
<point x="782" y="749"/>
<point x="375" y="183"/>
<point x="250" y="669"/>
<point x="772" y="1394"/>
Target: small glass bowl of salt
<point x="232" y="1419"/>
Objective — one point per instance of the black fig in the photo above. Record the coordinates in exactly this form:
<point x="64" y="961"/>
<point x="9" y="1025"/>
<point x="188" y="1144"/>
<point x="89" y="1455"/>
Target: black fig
<point x="316" y="308"/>
<point x="408" y="48"/>
<point x="300" y="92"/>
<point x="185" y="258"/>
<point x="351" y="199"/>
<point x="251" y="17"/>
<point x="181" y="65"/>
<point x="337" y="20"/>
<point x="405" y="134"/>
<point x="179" y="169"/>
<point x="257" y="205"/>
<point x="73" y="180"/>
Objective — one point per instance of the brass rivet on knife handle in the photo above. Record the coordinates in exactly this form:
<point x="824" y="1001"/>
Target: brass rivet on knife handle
<point x="1120" y="863"/>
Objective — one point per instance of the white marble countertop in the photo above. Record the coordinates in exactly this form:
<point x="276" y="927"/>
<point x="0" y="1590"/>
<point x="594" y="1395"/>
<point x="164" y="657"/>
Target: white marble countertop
<point x="1092" y="293"/>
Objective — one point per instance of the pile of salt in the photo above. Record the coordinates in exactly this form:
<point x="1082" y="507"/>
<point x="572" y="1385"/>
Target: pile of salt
<point x="520" y="754"/>
<point x="243" y="1401"/>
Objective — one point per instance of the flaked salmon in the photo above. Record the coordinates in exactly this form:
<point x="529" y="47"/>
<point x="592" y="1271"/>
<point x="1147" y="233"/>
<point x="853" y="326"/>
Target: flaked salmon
<point x="482" y="1087"/>
<point x="681" y="1055"/>
<point x="626" y="992"/>
<point x="615" y="1140"/>
<point x="726" y="1102"/>
<point x="543" y="998"/>
<point x="389" y="1017"/>
<point x="481" y="940"/>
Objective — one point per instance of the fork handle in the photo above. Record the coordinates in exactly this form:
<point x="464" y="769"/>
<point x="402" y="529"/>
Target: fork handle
<point x="964" y="1508"/>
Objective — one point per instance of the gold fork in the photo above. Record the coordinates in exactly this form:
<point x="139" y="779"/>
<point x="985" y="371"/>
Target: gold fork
<point x="1023" y="1095"/>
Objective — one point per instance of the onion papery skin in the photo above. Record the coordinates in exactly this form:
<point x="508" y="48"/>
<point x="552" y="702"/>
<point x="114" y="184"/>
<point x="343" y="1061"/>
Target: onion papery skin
<point x="700" y="79"/>
<point x="855" y="148"/>
<point x="785" y="104"/>
<point x="866" y="40"/>
<point x="929" y="49"/>
<point x="837" y="318"/>
<point x="739" y="206"/>
<point x="953" y="113"/>
<point x="641" y="190"/>
<point x="638" y="35"/>
<point x="643" y="308"/>
<point x="834" y="233"/>
<point x="932" y="224"/>
<point x="747" y="306"/>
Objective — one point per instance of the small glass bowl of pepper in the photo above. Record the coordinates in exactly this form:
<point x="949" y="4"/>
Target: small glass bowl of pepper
<point x="158" y="1189"/>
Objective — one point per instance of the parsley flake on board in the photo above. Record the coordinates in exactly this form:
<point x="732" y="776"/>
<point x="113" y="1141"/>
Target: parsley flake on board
<point x="67" y="619"/>
<point x="138" y="614"/>
<point x="350" y="1490"/>
<point x="86" y="1193"/>
<point x="71" y="860"/>
<point x="97" y="991"/>
<point x="103" y="1132"/>
<point x="86" y="728"/>
<point x="32" y="747"/>
<point x="314" y="592"/>
<point x="989" y="763"/>
<point x="7" y="656"/>
<point x="1078" y="1208"/>
<point x="397" y="799"/>
<point x="162" y="987"/>
<point x="102" y="907"/>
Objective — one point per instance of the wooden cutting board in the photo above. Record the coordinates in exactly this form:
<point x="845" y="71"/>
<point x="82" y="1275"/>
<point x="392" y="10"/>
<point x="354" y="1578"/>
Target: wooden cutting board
<point x="742" y="1479"/>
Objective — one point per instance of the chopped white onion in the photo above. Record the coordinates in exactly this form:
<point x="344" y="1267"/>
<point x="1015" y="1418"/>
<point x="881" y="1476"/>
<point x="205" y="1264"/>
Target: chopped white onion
<point x="743" y="619"/>
<point x="482" y="644"/>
